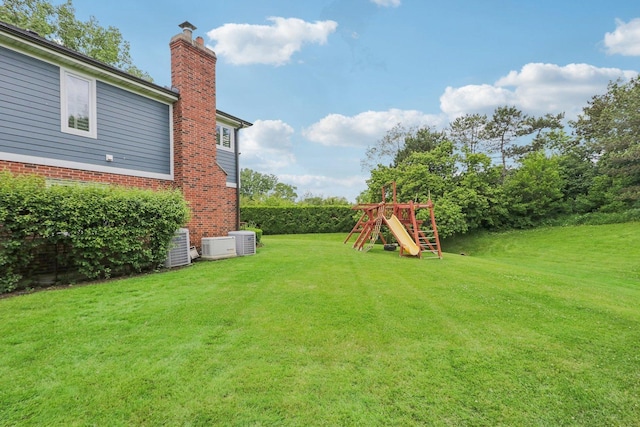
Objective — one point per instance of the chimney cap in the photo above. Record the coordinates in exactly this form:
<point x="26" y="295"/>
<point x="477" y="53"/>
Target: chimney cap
<point x="186" y="25"/>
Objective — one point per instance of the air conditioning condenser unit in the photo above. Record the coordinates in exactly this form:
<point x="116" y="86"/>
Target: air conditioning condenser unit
<point x="218" y="247"/>
<point x="179" y="249"/>
<point x="245" y="242"/>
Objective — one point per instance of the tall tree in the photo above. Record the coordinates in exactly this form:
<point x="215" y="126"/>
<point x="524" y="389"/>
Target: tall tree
<point x="422" y="140"/>
<point x="577" y="169"/>
<point x="611" y="125"/>
<point x="256" y="187"/>
<point x="58" y="23"/>
<point x="467" y="131"/>
<point x="386" y="148"/>
<point x="506" y="125"/>
<point x="542" y="128"/>
<point x="285" y="192"/>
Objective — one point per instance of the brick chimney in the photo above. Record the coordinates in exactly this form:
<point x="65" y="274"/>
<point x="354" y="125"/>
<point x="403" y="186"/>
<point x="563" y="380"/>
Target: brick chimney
<point x="196" y="173"/>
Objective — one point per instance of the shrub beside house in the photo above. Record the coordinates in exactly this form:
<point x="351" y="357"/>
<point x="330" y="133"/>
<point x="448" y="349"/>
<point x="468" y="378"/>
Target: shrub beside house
<point x="69" y="233"/>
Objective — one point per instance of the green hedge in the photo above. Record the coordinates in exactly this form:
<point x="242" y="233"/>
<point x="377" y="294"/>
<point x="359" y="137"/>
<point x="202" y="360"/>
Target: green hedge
<point x="299" y="219"/>
<point x="96" y="231"/>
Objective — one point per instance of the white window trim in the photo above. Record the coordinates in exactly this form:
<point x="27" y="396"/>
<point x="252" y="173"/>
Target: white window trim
<point x="64" y="124"/>
<point x="232" y="146"/>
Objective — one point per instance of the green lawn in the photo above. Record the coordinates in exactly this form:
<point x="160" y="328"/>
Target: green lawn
<point x="536" y="327"/>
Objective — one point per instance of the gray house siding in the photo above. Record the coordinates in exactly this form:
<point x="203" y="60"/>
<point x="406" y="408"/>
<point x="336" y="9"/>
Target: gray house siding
<point x="134" y="129"/>
<point x="227" y="161"/>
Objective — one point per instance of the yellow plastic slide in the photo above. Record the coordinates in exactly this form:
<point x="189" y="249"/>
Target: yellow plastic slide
<point x="402" y="236"/>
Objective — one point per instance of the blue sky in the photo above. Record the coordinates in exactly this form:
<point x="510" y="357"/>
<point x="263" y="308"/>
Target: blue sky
<point x="323" y="80"/>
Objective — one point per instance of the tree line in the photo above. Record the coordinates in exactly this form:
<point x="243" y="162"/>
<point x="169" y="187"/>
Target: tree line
<point x="262" y="189"/>
<point x="511" y="169"/>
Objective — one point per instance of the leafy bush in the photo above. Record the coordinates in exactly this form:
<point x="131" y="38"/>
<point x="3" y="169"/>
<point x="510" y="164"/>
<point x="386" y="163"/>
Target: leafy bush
<point x="19" y="225"/>
<point x="449" y="217"/>
<point x="99" y="232"/>
<point x="299" y="219"/>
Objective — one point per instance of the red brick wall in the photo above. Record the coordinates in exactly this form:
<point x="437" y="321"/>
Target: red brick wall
<point x="213" y="204"/>
<point x="81" y="175"/>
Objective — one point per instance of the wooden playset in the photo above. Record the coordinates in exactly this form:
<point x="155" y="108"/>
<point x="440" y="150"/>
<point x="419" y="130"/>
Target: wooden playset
<point x="413" y="236"/>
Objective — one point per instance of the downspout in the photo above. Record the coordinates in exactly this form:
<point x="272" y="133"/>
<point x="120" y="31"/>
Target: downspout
<point x="237" y="154"/>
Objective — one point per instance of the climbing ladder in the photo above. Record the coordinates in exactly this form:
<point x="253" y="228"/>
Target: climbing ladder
<point x="375" y="233"/>
<point x="427" y="237"/>
<point x="368" y="227"/>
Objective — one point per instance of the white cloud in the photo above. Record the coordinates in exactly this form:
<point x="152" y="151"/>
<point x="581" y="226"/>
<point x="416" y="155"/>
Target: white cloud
<point x="268" y="144"/>
<point x="625" y="40"/>
<point x="536" y="89"/>
<point x="387" y="3"/>
<point x="268" y="44"/>
<point x="473" y="98"/>
<point x="365" y="128"/>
